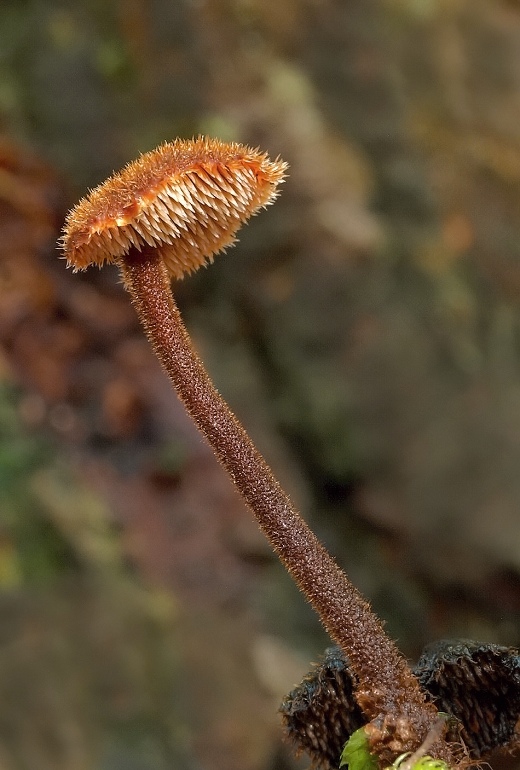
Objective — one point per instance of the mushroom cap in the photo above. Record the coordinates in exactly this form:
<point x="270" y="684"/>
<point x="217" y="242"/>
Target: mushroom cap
<point x="186" y="198"/>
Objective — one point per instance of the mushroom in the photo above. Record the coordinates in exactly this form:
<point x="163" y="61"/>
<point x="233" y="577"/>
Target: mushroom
<point x="165" y="215"/>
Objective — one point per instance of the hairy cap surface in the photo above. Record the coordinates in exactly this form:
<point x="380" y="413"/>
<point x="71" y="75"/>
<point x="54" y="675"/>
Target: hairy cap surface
<point x="187" y="198"/>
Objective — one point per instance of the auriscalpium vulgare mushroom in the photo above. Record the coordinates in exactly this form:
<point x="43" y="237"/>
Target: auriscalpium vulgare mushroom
<point x="165" y="215"/>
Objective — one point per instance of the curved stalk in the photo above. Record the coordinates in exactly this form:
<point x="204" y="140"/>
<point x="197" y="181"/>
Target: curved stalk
<point x="386" y="684"/>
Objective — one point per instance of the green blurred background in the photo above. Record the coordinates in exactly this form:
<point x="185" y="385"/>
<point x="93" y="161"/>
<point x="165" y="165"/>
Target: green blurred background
<point x="366" y="330"/>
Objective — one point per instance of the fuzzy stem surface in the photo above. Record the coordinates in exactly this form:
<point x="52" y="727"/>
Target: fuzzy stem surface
<point x="386" y="683"/>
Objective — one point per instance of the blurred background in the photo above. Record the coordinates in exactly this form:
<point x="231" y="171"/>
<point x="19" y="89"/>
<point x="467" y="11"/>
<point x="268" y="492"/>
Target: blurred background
<point x="366" y="330"/>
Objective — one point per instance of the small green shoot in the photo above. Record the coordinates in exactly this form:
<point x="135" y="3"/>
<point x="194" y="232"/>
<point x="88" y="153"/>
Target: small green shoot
<point x="422" y="763"/>
<point x="357" y="756"/>
<point x="356" y="753"/>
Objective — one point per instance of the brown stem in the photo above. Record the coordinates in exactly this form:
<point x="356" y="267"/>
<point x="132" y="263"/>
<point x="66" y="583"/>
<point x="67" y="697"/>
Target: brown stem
<point x="386" y="684"/>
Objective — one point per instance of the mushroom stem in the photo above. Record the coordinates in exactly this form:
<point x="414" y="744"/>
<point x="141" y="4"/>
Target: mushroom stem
<point x="386" y="684"/>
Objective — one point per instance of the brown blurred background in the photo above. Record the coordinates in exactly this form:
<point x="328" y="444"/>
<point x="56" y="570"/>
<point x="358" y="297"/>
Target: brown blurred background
<point x="366" y="330"/>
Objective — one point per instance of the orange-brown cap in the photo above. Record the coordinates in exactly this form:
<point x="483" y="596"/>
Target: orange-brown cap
<point x="187" y="198"/>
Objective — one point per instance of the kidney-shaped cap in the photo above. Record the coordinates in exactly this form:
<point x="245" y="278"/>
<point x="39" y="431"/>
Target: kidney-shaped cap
<point x="187" y="199"/>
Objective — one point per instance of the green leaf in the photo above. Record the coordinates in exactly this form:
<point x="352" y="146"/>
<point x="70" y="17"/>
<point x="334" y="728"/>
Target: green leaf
<point x="356" y="754"/>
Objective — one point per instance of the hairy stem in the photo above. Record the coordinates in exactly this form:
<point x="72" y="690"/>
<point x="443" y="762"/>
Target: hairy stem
<point x="386" y="684"/>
